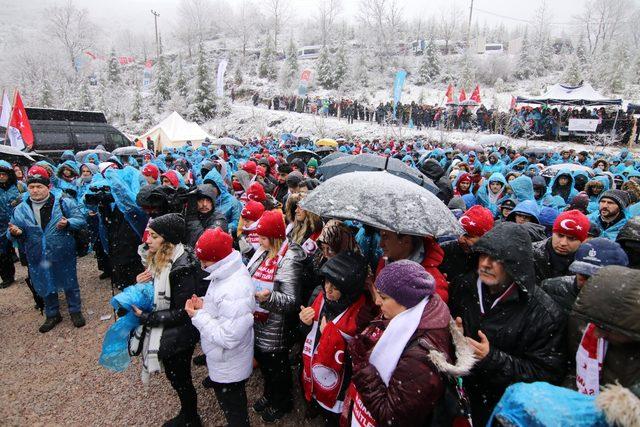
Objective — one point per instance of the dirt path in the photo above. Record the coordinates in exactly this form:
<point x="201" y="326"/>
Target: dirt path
<point x="55" y="379"/>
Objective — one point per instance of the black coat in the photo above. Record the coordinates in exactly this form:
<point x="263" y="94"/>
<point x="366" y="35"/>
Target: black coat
<point x="432" y="169"/>
<point x="525" y="330"/>
<point x="548" y="264"/>
<point x="563" y="291"/>
<point x="197" y="224"/>
<point x="179" y="334"/>
<point x="456" y="261"/>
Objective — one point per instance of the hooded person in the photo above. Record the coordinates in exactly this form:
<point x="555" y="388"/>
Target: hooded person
<point x="594" y="190"/>
<point x="515" y="328"/>
<point x="539" y="189"/>
<point x="522" y="188"/>
<point x="462" y="184"/>
<point x="494" y="192"/>
<point x="434" y="171"/>
<point x="505" y="208"/>
<point x="329" y="322"/>
<point x="224" y="318"/>
<point x="202" y="214"/>
<point x="605" y="330"/>
<point x="590" y="257"/>
<point x="562" y="185"/>
<point x="10" y="197"/>
<point x="554" y="255"/>
<point x="312" y="167"/>
<point x="494" y="165"/>
<point x="580" y="179"/>
<point x="525" y="211"/>
<point x="611" y="215"/>
<point x="629" y="239"/>
<point x="68" y="174"/>
<point x="225" y="203"/>
<point x="403" y="359"/>
<point x="43" y="225"/>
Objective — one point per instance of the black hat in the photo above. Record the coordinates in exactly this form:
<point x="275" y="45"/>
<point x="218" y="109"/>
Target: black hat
<point x="171" y="227"/>
<point x="347" y="271"/>
<point x="620" y="197"/>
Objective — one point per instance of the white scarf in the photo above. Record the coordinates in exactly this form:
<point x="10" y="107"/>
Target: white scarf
<point x="161" y="301"/>
<point x="387" y="351"/>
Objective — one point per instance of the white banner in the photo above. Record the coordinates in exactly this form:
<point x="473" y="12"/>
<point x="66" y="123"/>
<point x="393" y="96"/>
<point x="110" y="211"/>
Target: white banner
<point x="220" y="80"/>
<point x="583" y="125"/>
<point x="6" y="111"/>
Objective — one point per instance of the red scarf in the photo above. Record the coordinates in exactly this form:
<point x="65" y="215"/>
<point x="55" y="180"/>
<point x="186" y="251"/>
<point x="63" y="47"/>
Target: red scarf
<point x="589" y="358"/>
<point x="263" y="278"/>
<point x="323" y="364"/>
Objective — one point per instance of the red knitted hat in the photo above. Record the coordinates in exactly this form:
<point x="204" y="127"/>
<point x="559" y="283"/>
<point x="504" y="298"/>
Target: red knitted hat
<point x="271" y="225"/>
<point x="572" y="223"/>
<point x="249" y="167"/>
<point x="252" y="210"/>
<point x="38" y="175"/>
<point x="256" y="192"/>
<point x="172" y="176"/>
<point x="214" y="245"/>
<point x="151" y="170"/>
<point x="476" y="221"/>
<point x="261" y="171"/>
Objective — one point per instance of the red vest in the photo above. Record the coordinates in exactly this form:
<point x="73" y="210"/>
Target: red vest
<point x="323" y="364"/>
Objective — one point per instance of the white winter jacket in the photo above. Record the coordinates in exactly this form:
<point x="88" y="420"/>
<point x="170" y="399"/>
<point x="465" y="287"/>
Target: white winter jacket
<point x="226" y="320"/>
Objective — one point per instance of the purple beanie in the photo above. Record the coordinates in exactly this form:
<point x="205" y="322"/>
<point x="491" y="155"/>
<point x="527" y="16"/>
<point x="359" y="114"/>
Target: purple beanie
<point x="406" y="282"/>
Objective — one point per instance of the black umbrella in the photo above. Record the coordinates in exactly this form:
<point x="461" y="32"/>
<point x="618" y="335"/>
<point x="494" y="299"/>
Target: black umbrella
<point x="373" y="162"/>
<point x="304" y="155"/>
<point x="13" y="155"/>
<point x="331" y="157"/>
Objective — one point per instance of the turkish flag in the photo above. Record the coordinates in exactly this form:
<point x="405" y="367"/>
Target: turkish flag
<point x="449" y="94"/>
<point x="513" y="103"/>
<point x="463" y="95"/>
<point x="20" y="133"/>
<point x="475" y="96"/>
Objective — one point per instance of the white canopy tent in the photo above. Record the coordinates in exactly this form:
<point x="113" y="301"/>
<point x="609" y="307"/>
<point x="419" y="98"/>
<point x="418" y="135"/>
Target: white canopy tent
<point x="174" y="131"/>
<point x="559" y="94"/>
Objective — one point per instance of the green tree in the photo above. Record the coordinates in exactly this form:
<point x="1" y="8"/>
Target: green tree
<point x="430" y="67"/>
<point x="86" y="101"/>
<point x="113" y="68"/>
<point x="205" y="103"/>
<point x="323" y="69"/>
<point x="181" y="81"/>
<point x="136" y="108"/>
<point x="163" y="81"/>
<point x="573" y="71"/>
<point x="46" y="98"/>
<point x="523" y="66"/>
<point x="266" y="65"/>
<point x="340" y="67"/>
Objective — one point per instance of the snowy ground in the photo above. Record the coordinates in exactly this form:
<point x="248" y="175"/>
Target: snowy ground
<point x="246" y="121"/>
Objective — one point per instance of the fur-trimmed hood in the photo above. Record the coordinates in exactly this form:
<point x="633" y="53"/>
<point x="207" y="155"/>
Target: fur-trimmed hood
<point x="464" y="355"/>
<point x="621" y="405"/>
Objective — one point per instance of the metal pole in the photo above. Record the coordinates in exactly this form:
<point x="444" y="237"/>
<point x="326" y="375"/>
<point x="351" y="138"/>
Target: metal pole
<point x="469" y="26"/>
<point x="155" y="18"/>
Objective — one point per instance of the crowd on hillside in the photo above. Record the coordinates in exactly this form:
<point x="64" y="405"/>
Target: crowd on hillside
<point x="545" y="122"/>
<point x="213" y="247"/>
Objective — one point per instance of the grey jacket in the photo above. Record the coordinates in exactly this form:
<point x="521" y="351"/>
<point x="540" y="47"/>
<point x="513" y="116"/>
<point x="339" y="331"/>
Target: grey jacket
<point x="278" y="331"/>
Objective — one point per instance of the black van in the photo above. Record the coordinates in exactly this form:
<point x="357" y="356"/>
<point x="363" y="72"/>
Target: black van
<point x="55" y="131"/>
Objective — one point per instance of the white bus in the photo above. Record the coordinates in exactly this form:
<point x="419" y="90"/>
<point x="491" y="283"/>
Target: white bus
<point x="493" y="48"/>
<point x="309" y="52"/>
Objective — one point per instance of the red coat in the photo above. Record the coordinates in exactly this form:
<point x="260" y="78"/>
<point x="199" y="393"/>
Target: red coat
<point x="415" y="386"/>
<point x="432" y="260"/>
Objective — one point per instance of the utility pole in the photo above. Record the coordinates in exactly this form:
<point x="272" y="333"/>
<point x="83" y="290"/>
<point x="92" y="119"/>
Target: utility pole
<point x="155" y="18"/>
<point x="469" y="26"/>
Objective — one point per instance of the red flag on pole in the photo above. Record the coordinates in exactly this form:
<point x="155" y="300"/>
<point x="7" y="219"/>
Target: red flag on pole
<point x="449" y="94"/>
<point x="513" y="103"/>
<point x="475" y="96"/>
<point x="463" y="95"/>
<point x="20" y="133"/>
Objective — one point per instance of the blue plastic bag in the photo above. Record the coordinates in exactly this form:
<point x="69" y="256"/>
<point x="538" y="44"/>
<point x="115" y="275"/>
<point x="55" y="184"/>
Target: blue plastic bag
<point x="544" y="405"/>
<point x="115" y="354"/>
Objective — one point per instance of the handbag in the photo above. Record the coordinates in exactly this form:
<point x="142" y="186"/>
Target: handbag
<point x="136" y="340"/>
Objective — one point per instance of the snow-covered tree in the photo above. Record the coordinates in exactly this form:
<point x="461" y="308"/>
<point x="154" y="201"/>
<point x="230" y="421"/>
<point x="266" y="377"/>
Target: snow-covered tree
<point x="86" y="102"/>
<point x="181" y="81"/>
<point x="163" y="81"/>
<point x="46" y="98"/>
<point x="324" y="70"/>
<point x="523" y="66"/>
<point x="430" y="66"/>
<point x="204" y="100"/>
<point x="266" y="65"/>
<point x="289" y="67"/>
<point x="572" y="74"/>
<point x="466" y="70"/>
<point x="136" y="108"/>
<point x="581" y="51"/>
<point x="635" y="70"/>
<point x="113" y="68"/>
<point x="361" y="72"/>
<point x="616" y="79"/>
<point x="340" y="67"/>
<point x="237" y="75"/>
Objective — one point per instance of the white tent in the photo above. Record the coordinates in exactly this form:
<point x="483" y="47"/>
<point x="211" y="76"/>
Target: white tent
<point x="559" y="94"/>
<point x="174" y="131"/>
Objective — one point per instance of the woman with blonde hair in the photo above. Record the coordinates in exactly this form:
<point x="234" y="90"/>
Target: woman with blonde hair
<point x="275" y="269"/>
<point x="168" y="338"/>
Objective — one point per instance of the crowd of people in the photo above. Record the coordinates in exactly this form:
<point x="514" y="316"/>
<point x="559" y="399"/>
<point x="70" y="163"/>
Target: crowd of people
<point x="212" y="247"/>
<point x="537" y="122"/>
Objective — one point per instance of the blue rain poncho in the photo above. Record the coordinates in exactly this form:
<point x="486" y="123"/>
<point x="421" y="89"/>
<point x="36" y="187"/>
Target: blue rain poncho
<point x="228" y="205"/>
<point x="489" y="200"/>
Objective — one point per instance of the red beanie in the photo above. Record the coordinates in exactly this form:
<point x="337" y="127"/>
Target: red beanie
<point x="151" y="170"/>
<point x="272" y="161"/>
<point x="476" y="221"/>
<point x="256" y="192"/>
<point x="172" y="177"/>
<point x="572" y="223"/>
<point x="38" y="175"/>
<point x="214" y="245"/>
<point x="252" y="210"/>
<point x="261" y="171"/>
<point x="249" y="167"/>
<point x="271" y="225"/>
